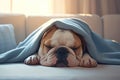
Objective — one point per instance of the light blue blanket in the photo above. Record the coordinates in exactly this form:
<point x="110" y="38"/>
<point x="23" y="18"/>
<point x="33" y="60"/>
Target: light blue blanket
<point x="102" y="50"/>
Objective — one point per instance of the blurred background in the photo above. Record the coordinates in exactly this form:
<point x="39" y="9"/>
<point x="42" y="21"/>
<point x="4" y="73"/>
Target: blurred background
<point x="48" y="7"/>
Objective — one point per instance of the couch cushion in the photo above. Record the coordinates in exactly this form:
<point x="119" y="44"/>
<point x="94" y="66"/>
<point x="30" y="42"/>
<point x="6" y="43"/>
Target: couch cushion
<point x="112" y="27"/>
<point x="34" y="22"/>
<point x="18" y="21"/>
<point x="7" y="37"/>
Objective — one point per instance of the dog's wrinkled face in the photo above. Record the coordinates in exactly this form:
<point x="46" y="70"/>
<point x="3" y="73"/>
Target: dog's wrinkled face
<point x="60" y="47"/>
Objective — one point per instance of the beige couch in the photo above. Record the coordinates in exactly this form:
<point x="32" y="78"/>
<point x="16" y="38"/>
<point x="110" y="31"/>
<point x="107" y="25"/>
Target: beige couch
<point x="107" y="26"/>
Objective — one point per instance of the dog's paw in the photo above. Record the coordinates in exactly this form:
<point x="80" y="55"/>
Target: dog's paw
<point x="32" y="60"/>
<point x="87" y="61"/>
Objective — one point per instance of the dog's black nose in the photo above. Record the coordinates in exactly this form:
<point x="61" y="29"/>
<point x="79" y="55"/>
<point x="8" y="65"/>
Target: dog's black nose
<point x="61" y="54"/>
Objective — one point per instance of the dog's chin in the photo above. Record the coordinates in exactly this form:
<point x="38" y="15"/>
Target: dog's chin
<point x="61" y="65"/>
<point x="71" y="63"/>
<point x="52" y="61"/>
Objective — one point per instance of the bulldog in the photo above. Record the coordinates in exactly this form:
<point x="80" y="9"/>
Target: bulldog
<point x="62" y="48"/>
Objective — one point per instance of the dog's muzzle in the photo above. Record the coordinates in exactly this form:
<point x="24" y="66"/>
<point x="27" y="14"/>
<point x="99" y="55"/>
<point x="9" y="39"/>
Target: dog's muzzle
<point x="61" y="54"/>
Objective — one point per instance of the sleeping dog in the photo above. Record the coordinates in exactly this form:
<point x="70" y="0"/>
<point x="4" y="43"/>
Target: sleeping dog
<point x="60" y="47"/>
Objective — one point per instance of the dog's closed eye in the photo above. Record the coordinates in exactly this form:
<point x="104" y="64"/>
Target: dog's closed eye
<point x="75" y="48"/>
<point x="48" y="46"/>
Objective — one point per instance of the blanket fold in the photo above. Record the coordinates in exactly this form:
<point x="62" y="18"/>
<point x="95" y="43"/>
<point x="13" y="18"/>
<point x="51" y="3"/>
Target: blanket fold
<point x="103" y="50"/>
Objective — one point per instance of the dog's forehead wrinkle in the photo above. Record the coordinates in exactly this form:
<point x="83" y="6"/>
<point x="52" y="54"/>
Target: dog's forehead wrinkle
<point x="63" y="37"/>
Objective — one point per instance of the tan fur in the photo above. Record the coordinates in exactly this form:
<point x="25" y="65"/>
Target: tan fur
<point x="46" y="37"/>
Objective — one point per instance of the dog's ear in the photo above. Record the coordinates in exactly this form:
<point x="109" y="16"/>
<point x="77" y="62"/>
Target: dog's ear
<point x="50" y="30"/>
<point x="47" y="35"/>
<point x="83" y="43"/>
